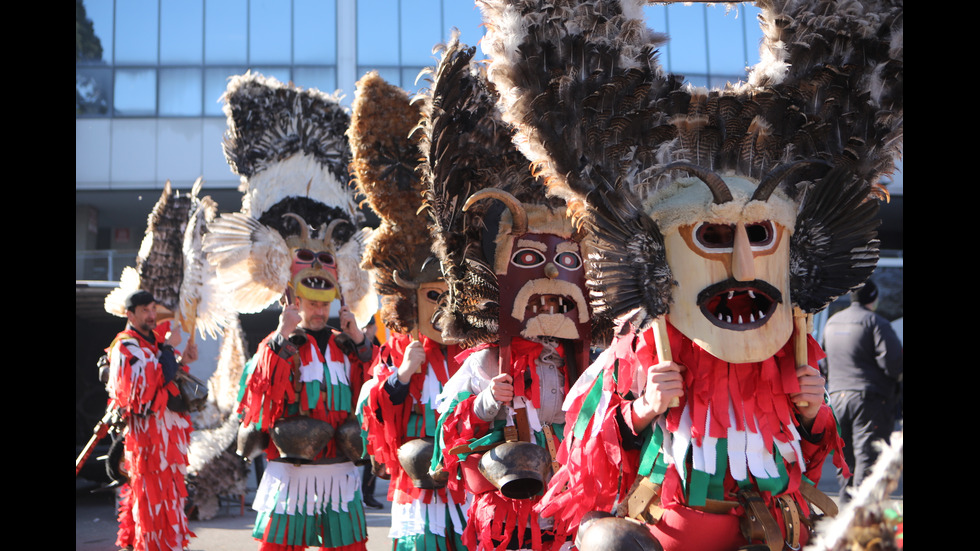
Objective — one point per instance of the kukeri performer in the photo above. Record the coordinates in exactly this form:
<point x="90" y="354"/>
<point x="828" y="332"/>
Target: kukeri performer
<point x="143" y="364"/>
<point x="722" y="219"/>
<point x="514" y="266"/>
<point x="148" y="380"/>
<point x="295" y="241"/>
<point x="415" y="362"/>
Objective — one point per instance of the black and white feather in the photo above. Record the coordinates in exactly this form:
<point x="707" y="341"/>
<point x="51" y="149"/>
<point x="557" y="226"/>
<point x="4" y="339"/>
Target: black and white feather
<point x="289" y="146"/>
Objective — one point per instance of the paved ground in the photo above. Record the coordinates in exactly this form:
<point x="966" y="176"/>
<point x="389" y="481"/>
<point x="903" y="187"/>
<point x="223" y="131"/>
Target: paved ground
<point x="230" y="530"/>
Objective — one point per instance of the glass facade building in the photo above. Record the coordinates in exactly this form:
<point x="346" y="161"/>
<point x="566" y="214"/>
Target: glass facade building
<point x="149" y="75"/>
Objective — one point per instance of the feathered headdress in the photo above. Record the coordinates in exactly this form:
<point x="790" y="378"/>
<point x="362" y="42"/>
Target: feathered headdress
<point x="385" y="159"/>
<point x="170" y="264"/>
<point x="469" y="157"/>
<point x="298" y="225"/>
<point x="802" y="144"/>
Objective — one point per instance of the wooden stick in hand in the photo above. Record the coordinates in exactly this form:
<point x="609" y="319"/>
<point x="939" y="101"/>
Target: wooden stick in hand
<point x="663" y="349"/>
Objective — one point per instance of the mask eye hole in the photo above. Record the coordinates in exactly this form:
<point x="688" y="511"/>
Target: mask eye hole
<point x="760" y="234"/>
<point x="325" y="258"/>
<point x="715" y="236"/>
<point x="305" y="255"/>
<point x="432" y="295"/>
<point x="528" y="258"/>
<point x="569" y="261"/>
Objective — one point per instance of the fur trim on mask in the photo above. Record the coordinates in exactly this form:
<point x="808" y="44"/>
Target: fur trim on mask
<point x="689" y="200"/>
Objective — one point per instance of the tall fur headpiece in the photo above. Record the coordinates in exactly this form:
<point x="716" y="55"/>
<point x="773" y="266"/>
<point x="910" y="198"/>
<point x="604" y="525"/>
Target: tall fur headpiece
<point x="801" y="144"/>
<point x="469" y="155"/>
<point x="170" y="264"/>
<point x="289" y="147"/>
<point x="385" y="161"/>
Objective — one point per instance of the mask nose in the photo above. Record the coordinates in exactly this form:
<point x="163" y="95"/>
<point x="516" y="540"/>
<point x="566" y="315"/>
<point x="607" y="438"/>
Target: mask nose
<point x="550" y="270"/>
<point x="743" y="264"/>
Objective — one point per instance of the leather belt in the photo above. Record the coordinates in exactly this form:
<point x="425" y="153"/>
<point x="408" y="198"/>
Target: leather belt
<point x="757" y="523"/>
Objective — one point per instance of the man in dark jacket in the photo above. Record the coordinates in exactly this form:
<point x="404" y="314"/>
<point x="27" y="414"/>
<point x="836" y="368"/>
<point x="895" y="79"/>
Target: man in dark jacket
<point x="864" y="363"/>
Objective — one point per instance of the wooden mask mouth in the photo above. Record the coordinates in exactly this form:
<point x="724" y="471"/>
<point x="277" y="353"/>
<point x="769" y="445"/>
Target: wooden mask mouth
<point x="739" y="305"/>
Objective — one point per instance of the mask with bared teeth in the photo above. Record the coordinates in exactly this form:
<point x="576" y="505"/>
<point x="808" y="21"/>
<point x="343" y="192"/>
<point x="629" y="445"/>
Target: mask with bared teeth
<point x="538" y="260"/>
<point x="729" y="254"/>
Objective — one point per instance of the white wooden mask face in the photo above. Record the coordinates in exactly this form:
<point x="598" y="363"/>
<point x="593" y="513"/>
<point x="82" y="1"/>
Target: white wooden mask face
<point x="732" y="294"/>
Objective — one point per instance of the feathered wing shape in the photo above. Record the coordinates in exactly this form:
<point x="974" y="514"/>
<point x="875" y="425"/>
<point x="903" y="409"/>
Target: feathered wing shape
<point x="251" y="260"/>
<point x="385" y="164"/>
<point x="835" y="246"/>
<point x="115" y="301"/>
<point x="202" y="304"/>
<point x="160" y="261"/>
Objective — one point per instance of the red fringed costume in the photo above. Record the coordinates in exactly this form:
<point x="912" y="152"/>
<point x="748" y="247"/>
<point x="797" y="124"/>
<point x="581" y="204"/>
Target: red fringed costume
<point x="495" y="521"/>
<point x="318" y="504"/>
<point x="395" y="414"/>
<point x="761" y="444"/>
<point x="151" y="512"/>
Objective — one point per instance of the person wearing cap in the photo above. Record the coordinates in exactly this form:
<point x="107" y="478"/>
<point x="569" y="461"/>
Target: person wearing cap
<point x="143" y="363"/>
<point x="864" y="366"/>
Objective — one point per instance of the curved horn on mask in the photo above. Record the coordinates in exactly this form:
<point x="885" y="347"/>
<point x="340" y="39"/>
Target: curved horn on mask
<point x="517" y="211"/>
<point x="774" y="178"/>
<point x="404" y="283"/>
<point x="719" y="189"/>
<point x="304" y="228"/>
<point x="328" y="233"/>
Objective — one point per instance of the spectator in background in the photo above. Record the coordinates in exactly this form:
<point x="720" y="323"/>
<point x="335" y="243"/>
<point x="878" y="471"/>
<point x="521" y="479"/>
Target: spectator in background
<point x="864" y="365"/>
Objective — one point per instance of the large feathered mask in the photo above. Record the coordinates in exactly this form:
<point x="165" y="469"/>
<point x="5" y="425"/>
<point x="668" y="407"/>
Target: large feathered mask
<point x="512" y="259"/>
<point x="722" y="209"/>
<point x="385" y="163"/>
<point x="297" y="231"/>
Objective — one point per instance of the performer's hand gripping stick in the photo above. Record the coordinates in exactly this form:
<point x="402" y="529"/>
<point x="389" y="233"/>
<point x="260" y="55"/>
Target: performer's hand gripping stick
<point x="663" y="348"/>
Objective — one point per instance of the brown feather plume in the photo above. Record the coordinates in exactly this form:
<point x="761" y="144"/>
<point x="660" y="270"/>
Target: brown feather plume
<point x="385" y="162"/>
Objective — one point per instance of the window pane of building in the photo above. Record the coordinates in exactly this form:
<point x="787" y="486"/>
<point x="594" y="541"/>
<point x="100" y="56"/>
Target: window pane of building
<point x="181" y="32"/>
<point x="226" y="32"/>
<point x="315" y="32"/>
<point x="421" y="29"/>
<point x="729" y="52"/>
<point x="93" y="91"/>
<point x="180" y="92"/>
<point x="135" y="92"/>
<point x="321" y="78"/>
<point x="96" y="47"/>
<point x="411" y="81"/>
<point x="377" y="33"/>
<point x="270" y="31"/>
<point x="136" y="32"/>
<point x="215" y="84"/>
<point x="688" y="50"/>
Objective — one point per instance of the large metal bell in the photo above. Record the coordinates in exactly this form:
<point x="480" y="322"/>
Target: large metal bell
<point x="519" y="470"/>
<point x="349" y="441"/>
<point x="415" y="457"/>
<point x="601" y="532"/>
<point x="300" y="439"/>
